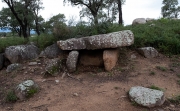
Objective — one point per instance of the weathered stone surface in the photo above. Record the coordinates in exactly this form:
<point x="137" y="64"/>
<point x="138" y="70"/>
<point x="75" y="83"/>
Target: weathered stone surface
<point x="26" y="89"/>
<point x="146" y="97"/>
<point x="149" y="19"/>
<point x="51" y="51"/>
<point x="148" y="52"/>
<point x="111" y="40"/>
<point x="91" y="57"/>
<point x="110" y="58"/>
<point x="139" y="21"/>
<point x="17" y="54"/>
<point x="1" y="61"/>
<point x="72" y="61"/>
<point x="53" y="66"/>
<point x="13" y="67"/>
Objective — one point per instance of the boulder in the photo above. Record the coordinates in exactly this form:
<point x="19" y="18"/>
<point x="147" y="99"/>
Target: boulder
<point x="111" y="40"/>
<point x="53" y="66"/>
<point x="149" y="19"/>
<point x="1" y="61"/>
<point x="110" y="58"/>
<point x="148" y="52"/>
<point x="26" y="89"/>
<point x="71" y="62"/>
<point x="51" y="51"/>
<point x="17" y="54"/>
<point x="13" y="67"/>
<point x="91" y="57"/>
<point x="139" y="21"/>
<point x="146" y="97"/>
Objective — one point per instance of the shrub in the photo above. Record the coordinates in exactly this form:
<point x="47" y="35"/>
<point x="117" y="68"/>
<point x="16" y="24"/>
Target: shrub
<point x="11" y="97"/>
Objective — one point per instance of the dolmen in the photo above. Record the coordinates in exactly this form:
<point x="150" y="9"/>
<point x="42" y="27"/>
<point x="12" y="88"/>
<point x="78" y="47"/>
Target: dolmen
<point x="96" y="50"/>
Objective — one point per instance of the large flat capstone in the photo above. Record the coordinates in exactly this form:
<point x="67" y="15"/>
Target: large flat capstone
<point x="111" y="40"/>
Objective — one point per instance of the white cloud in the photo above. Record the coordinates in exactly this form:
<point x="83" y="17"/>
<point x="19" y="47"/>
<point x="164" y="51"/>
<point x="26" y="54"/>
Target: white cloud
<point x="131" y="10"/>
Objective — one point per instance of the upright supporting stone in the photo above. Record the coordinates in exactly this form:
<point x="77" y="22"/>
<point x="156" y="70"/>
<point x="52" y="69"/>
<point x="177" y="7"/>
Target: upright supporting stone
<point x="110" y="58"/>
<point x="72" y="61"/>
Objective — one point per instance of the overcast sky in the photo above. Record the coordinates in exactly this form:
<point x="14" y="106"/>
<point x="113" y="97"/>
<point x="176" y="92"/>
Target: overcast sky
<point x="131" y="10"/>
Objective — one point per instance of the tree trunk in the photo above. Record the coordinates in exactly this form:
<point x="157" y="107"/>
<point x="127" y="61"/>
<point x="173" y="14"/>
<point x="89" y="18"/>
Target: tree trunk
<point x="120" y="12"/>
<point x="95" y="18"/>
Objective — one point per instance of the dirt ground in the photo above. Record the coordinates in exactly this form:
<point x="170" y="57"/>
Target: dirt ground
<point x="92" y="88"/>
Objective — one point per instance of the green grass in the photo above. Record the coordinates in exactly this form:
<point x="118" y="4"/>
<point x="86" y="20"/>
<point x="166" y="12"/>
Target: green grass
<point x="161" y="68"/>
<point x="152" y="73"/>
<point x="156" y="88"/>
<point x="11" y="97"/>
<point x="175" y="100"/>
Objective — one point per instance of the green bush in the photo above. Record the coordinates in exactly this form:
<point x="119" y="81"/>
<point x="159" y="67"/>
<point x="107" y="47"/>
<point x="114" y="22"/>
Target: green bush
<point x="11" y="97"/>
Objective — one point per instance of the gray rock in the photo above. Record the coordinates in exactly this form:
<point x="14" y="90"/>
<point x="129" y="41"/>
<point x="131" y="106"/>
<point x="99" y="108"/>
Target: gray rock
<point x="110" y="58"/>
<point x="146" y="97"/>
<point x="53" y="66"/>
<point x="17" y="54"/>
<point x="149" y="19"/>
<point x="148" y="52"/>
<point x="139" y="21"/>
<point x="71" y="62"/>
<point x="111" y="40"/>
<point x="26" y="89"/>
<point x="51" y="51"/>
<point x="2" y="59"/>
<point x="13" y="67"/>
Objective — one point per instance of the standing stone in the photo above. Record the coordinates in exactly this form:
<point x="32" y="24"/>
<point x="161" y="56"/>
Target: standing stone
<point x="16" y="54"/>
<point x="72" y="59"/>
<point x="1" y="61"/>
<point x="146" y="97"/>
<point x="110" y="58"/>
<point x="139" y="21"/>
<point x="111" y="40"/>
<point x="148" y="52"/>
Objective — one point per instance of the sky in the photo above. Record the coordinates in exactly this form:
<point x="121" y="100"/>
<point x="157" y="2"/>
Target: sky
<point x="132" y="9"/>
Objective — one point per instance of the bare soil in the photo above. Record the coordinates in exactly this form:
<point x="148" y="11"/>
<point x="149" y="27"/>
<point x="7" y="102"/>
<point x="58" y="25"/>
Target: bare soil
<point x="92" y="88"/>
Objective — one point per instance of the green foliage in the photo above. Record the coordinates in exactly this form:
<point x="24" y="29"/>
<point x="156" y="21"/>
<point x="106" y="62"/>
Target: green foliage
<point x="43" y="40"/>
<point x="11" y="97"/>
<point x="152" y="73"/>
<point x="155" y="87"/>
<point x="161" y="68"/>
<point x="9" y="41"/>
<point x="31" y="92"/>
<point x="170" y="9"/>
<point x="175" y="99"/>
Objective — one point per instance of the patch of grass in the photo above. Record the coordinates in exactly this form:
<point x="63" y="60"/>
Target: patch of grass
<point x="175" y="100"/>
<point x="178" y="81"/>
<point x="31" y="92"/>
<point x="116" y="87"/>
<point x="134" y="103"/>
<point x="175" y="64"/>
<point x="161" y="68"/>
<point x="121" y="69"/>
<point x="178" y="75"/>
<point x="156" y="88"/>
<point x="152" y="73"/>
<point x="11" y="97"/>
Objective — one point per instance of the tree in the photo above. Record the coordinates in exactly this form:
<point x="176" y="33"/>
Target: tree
<point x="170" y="9"/>
<point x="57" y="26"/>
<point x="23" y="12"/>
<point x="8" y="21"/>
<point x="92" y="5"/>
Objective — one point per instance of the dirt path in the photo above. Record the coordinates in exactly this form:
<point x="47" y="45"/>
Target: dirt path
<point x="94" y="89"/>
